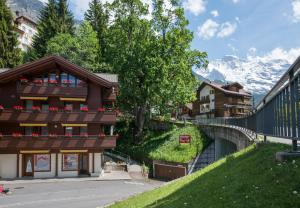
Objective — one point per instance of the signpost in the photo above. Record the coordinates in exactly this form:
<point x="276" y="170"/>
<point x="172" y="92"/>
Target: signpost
<point x="185" y="139"/>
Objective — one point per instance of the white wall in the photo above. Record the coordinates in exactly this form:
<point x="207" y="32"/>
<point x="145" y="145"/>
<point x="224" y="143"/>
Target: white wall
<point x="49" y="174"/>
<point x="97" y="161"/>
<point x="8" y="165"/>
<point x="90" y="162"/>
<point x="203" y="93"/>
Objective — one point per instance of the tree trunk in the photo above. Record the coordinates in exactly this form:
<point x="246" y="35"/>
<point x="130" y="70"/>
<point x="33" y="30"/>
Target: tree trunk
<point x="140" y="121"/>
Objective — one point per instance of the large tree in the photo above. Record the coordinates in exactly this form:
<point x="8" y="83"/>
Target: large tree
<point x="80" y="48"/>
<point x="152" y="55"/>
<point x="55" y="18"/>
<point x="10" y="54"/>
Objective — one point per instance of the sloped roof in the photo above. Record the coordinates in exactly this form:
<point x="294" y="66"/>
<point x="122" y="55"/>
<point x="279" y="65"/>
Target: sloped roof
<point x="8" y="75"/>
<point x="241" y="92"/>
<point x="109" y="77"/>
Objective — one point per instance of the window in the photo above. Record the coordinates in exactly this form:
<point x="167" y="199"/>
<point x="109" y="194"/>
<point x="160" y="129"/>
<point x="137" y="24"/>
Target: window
<point x="45" y="107"/>
<point x="52" y="78"/>
<point x="64" y="79"/>
<point x="28" y="105"/>
<point x="44" y="131"/>
<point x="42" y="162"/>
<point x="72" y="80"/>
<point x="28" y="131"/>
<point x="80" y="83"/>
<point x="107" y="129"/>
<point x="83" y="131"/>
<point x="68" y="130"/>
<point x="70" y="162"/>
<point x="68" y="106"/>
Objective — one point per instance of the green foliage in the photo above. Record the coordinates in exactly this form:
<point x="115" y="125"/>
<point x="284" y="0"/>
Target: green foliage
<point x="152" y="57"/>
<point x="159" y="145"/>
<point x="55" y="18"/>
<point x="10" y="54"/>
<point x="80" y="49"/>
<point x="250" y="178"/>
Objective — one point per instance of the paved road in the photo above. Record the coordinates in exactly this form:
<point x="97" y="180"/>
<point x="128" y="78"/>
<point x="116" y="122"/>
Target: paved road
<point x="83" y="194"/>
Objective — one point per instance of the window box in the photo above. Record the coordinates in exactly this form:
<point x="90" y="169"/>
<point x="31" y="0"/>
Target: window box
<point x="36" y="108"/>
<point x="53" y="109"/>
<point x="101" y="135"/>
<point x="37" y="81"/>
<point x="17" y="135"/>
<point x="53" y="135"/>
<point x="1" y="135"/>
<point x="18" y="107"/>
<point x="67" y="82"/>
<point x="51" y="81"/>
<point x="85" y="109"/>
<point x="23" y="80"/>
<point x="35" y="135"/>
<point x="1" y="108"/>
<point x="68" y="135"/>
<point x="68" y="108"/>
<point x="101" y="109"/>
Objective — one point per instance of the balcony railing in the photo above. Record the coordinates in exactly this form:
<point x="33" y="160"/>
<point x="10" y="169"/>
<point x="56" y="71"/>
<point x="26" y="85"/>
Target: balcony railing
<point x="47" y="89"/>
<point x="21" y="116"/>
<point x="204" y="100"/>
<point x="8" y="143"/>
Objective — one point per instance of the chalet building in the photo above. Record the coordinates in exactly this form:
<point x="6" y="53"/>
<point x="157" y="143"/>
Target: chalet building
<point x="215" y="100"/>
<point x="56" y="119"/>
<point x="26" y="29"/>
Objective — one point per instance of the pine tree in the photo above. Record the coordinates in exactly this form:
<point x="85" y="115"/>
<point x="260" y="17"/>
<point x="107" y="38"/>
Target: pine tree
<point x="46" y="29"/>
<point x="55" y="18"/>
<point x="66" y="19"/>
<point x="10" y="54"/>
<point x="98" y="17"/>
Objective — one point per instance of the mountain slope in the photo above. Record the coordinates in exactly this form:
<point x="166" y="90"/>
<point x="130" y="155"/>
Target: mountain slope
<point x="29" y="8"/>
<point x="250" y="178"/>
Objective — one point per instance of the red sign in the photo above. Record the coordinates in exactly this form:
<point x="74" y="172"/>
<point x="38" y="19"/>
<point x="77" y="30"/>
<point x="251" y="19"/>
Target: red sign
<point x="185" y="139"/>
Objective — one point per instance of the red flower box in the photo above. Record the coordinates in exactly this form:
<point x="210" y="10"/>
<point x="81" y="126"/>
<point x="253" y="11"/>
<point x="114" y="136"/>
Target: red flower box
<point x="101" y="135"/>
<point x="37" y="81"/>
<point x="17" y="134"/>
<point x="68" y="108"/>
<point x="84" y="135"/>
<point x="84" y="109"/>
<point x="67" y="82"/>
<point x="23" y="80"/>
<point x="68" y="135"/>
<point x="1" y="107"/>
<point x="35" y="135"/>
<point x="109" y="109"/>
<point x="53" y="135"/>
<point x="53" y="108"/>
<point x="53" y="81"/>
<point x="18" y="107"/>
<point x="101" y="109"/>
<point x="36" y="108"/>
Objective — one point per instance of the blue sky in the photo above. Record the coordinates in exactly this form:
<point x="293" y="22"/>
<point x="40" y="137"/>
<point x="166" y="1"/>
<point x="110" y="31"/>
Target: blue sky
<point x="237" y="27"/>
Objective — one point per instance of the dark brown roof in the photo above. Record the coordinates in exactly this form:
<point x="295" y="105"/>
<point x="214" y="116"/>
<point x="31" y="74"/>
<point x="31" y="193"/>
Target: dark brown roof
<point x="67" y="65"/>
<point x="241" y="91"/>
<point x="22" y="17"/>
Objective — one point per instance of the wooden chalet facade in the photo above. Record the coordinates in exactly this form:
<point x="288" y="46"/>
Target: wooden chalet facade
<point x="215" y="100"/>
<point x="56" y="119"/>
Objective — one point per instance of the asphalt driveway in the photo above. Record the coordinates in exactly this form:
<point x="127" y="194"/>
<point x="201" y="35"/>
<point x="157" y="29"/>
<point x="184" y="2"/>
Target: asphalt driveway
<point x="79" y="194"/>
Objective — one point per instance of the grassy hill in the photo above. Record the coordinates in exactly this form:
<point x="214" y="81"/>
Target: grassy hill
<point x="249" y="178"/>
<point x="163" y="145"/>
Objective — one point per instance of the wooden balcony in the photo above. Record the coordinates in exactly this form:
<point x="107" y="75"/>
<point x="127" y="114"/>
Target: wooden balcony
<point x="27" y="89"/>
<point x="9" y="144"/>
<point x="109" y="95"/>
<point x="106" y="117"/>
<point x="204" y="101"/>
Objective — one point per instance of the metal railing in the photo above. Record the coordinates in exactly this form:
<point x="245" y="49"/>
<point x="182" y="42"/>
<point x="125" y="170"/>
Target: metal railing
<point x="277" y="115"/>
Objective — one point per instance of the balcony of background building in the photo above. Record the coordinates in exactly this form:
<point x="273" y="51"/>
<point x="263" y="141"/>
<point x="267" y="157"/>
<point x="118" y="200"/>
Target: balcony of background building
<point x="205" y="99"/>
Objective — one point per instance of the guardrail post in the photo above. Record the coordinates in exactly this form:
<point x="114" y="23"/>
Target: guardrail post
<point x="294" y="145"/>
<point x="265" y="138"/>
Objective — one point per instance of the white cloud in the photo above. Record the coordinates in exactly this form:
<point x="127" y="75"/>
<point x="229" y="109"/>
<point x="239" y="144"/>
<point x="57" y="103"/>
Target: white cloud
<point x="235" y="1"/>
<point x="208" y="29"/>
<point x="196" y="7"/>
<point x="214" y="13"/>
<point x="227" y="29"/>
<point x="296" y="10"/>
<point x="279" y="54"/>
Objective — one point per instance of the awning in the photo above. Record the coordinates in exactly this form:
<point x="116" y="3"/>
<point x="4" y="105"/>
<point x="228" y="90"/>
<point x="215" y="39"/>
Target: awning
<point x="73" y="99"/>
<point x="32" y="124"/>
<point x="33" y="98"/>
<point x="73" y="151"/>
<point x="75" y="125"/>
<point x="34" y="151"/>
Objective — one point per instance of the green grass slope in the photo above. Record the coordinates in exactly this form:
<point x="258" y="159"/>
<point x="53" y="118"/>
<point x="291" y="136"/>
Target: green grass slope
<point x="159" y="145"/>
<point x="249" y="178"/>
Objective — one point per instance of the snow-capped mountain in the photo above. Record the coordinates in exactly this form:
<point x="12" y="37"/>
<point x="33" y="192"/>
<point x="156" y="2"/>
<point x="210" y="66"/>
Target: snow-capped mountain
<point x="257" y="74"/>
